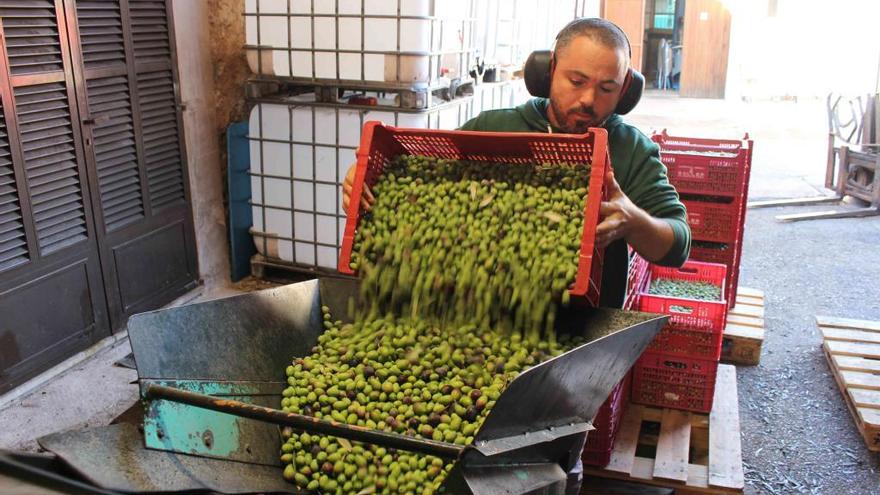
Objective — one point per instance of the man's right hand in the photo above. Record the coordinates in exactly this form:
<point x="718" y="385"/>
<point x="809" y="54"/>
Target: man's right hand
<point x="347" y="184"/>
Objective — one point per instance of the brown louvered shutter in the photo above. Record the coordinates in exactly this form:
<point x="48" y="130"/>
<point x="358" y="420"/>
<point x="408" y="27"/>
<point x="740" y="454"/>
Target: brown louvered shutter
<point x="133" y="144"/>
<point x="53" y="302"/>
<point x="13" y="240"/>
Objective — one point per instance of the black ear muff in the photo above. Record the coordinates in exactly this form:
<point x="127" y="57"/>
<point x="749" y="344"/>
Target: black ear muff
<point x="537" y="72"/>
<point x="631" y="92"/>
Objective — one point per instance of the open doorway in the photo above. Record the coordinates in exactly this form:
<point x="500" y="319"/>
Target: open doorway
<point x="664" y="34"/>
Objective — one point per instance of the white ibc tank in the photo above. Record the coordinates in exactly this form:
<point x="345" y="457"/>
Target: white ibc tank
<point x="300" y="151"/>
<point x="406" y="42"/>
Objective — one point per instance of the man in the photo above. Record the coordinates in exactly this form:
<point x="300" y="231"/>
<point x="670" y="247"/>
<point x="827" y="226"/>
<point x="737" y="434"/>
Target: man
<point x="592" y="58"/>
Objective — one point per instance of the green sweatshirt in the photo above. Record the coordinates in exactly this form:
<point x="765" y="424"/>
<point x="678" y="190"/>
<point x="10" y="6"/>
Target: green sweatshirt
<point x="637" y="168"/>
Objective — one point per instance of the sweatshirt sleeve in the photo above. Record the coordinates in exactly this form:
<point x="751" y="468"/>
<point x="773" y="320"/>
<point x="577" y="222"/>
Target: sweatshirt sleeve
<point x="647" y="185"/>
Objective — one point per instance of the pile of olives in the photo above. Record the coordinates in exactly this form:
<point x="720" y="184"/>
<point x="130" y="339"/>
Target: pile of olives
<point x="703" y="291"/>
<point x="409" y="376"/>
<point x="492" y="244"/>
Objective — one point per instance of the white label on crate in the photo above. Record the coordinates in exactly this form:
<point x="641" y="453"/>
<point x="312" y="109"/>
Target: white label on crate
<point x="303" y="196"/>
<point x="350" y="66"/>
<point x="301" y="32"/>
<point x="327" y="257"/>
<point x="325" y="125"/>
<point x="273" y="6"/>
<point x="415" y="35"/>
<point x="304" y="226"/>
<point x="380" y="35"/>
<point x="416" y="7"/>
<point x="325" y="33"/>
<point x="374" y="67"/>
<point x="303" y="162"/>
<point x="277" y="192"/>
<point x="349" y="6"/>
<point x="380" y="7"/>
<point x="325" y="158"/>
<point x="326" y="229"/>
<point x="276" y="159"/>
<point x="325" y="65"/>
<point x="350" y="33"/>
<point x="302" y="64"/>
<point x="325" y="198"/>
<point x="301" y="6"/>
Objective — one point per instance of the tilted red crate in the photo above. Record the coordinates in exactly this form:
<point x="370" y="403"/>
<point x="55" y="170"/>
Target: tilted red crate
<point x="381" y="143"/>
<point x="695" y="327"/>
<point x="676" y="382"/>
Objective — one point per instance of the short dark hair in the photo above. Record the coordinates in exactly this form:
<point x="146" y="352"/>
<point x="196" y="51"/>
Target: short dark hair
<point x="600" y="30"/>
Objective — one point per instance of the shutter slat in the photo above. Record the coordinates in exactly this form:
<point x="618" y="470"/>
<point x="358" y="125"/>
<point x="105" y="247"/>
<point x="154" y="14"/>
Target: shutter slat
<point x="13" y="240"/>
<point x="31" y="31"/>
<point x="100" y="33"/>
<point x="115" y="152"/>
<point x="160" y="134"/>
<point x="50" y="163"/>
<point x="149" y="30"/>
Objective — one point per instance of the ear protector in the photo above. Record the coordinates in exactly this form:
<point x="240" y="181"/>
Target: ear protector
<point x="538" y="72"/>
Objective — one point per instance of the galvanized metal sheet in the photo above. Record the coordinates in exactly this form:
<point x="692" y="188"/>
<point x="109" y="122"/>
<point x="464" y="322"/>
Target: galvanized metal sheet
<point x="113" y="457"/>
<point x="249" y="337"/>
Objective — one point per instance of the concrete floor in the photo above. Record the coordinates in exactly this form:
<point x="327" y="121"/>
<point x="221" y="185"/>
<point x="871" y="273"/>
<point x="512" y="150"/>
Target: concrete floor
<point x="797" y="434"/>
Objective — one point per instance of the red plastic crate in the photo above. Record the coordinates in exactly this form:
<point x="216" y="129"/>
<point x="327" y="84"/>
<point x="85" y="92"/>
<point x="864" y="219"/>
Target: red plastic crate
<point x="729" y="256"/>
<point x="675" y="382"/>
<point x="600" y="442"/>
<point x="695" y="327"/>
<point x="714" y="222"/>
<point x="380" y="143"/>
<point x="706" y="166"/>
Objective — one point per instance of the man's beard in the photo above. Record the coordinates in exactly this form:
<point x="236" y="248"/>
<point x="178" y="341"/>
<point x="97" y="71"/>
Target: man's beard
<point x="578" y="127"/>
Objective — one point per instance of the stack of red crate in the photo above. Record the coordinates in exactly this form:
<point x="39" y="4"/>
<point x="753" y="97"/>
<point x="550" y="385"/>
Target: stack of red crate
<point x="679" y="367"/>
<point x="712" y="177"/>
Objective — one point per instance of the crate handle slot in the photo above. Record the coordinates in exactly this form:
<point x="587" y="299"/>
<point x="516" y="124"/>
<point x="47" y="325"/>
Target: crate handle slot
<point x="681" y="309"/>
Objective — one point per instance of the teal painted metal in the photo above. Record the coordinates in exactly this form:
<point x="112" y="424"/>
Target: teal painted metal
<point x="185" y="429"/>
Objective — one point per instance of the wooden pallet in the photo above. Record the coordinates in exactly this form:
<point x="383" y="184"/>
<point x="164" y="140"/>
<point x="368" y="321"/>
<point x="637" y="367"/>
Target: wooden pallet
<point x="852" y="348"/>
<point x="688" y="452"/>
<point x="744" y="334"/>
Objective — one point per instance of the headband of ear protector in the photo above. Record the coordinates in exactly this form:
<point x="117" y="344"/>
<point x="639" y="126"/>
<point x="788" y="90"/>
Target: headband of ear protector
<point x="538" y="72"/>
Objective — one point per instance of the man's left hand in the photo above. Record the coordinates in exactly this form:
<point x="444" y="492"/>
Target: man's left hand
<point x="618" y="214"/>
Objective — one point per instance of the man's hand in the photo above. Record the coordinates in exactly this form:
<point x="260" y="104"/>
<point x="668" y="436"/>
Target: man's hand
<point x="618" y="214"/>
<point x="347" y="184"/>
<point x="622" y="219"/>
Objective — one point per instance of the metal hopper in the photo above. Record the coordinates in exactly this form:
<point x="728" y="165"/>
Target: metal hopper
<point x="209" y="355"/>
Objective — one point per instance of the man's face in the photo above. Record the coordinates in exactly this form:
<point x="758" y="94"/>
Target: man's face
<point x="586" y="85"/>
